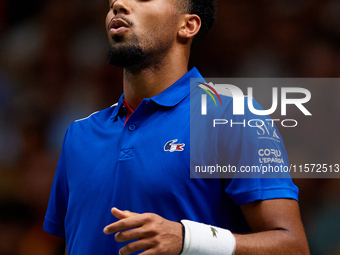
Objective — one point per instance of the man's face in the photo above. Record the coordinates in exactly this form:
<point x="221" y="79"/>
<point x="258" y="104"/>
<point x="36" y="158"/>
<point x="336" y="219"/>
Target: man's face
<point x="140" y="31"/>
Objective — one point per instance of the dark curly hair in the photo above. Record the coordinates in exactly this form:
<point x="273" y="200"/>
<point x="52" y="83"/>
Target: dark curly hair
<point x="205" y="9"/>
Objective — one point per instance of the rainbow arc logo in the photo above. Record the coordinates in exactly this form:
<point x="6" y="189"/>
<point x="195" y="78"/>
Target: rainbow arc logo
<point x="210" y="90"/>
<point x="209" y="93"/>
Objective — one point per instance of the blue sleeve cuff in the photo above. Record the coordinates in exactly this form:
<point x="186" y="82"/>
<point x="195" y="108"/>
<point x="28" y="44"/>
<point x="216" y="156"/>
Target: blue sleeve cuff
<point x="54" y="228"/>
<point x="265" y="194"/>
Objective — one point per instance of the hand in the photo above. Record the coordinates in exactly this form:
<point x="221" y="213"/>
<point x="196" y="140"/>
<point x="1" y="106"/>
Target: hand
<point x="153" y="233"/>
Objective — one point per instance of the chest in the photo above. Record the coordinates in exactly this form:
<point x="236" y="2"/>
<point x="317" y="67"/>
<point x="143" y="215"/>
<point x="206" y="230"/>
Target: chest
<point x="150" y="152"/>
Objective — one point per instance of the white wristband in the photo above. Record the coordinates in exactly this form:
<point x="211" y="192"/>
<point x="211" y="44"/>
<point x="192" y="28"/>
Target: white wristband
<point x="202" y="239"/>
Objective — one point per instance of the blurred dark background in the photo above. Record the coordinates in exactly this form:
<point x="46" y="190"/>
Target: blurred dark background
<point x="53" y="70"/>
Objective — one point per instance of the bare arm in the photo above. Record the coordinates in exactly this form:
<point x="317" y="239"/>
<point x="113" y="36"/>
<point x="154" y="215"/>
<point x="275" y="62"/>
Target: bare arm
<point x="276" y="226"/>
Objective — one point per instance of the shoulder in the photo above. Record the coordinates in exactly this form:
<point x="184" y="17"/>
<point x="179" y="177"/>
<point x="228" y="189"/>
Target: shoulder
<point x="96" y="120"/>
<point x="98" y="115"/>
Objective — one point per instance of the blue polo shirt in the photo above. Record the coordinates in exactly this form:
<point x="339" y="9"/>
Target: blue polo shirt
<point x="144" y="166"/>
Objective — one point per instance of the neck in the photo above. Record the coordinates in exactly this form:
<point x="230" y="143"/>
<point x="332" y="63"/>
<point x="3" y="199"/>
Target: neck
<point x="153" y="79"/>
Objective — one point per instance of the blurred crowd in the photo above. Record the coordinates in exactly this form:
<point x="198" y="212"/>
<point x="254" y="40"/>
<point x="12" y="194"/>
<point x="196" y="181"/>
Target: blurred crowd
<point x="53" y="70"/>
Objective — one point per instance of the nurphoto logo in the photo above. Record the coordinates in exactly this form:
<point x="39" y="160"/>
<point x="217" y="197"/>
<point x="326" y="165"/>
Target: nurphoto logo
<point x="239" y="102"/>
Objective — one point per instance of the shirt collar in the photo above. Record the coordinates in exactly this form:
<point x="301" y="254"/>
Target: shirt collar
<point x="170" y="96"/>
<point x="177" y="91"/>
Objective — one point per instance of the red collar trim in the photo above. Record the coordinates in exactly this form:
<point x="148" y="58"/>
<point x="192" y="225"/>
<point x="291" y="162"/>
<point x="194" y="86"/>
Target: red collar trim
<point x="129" y="110"/>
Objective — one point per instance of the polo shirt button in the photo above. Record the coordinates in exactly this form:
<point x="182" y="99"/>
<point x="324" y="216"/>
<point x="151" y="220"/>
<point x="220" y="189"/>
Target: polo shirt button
<point x="132" y="127"/>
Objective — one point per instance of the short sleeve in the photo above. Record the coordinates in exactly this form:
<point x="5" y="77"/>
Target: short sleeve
<point x="256" y="148"/>
<point x="243" y="191"/>
<point x="57" y="207"/>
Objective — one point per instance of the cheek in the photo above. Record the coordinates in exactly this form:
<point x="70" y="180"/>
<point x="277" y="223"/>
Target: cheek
<point x="167" y="30"/>
<point x="108" y="18"/>
<point x="160" y="18"/>
<point x="162" y="26"/>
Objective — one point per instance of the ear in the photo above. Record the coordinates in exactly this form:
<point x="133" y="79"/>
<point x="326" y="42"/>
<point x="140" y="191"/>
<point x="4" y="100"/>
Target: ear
<point x="190" y="24"/>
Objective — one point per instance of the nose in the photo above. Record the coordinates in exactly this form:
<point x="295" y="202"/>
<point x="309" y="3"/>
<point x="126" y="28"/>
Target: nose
<point x="120" y="6"/>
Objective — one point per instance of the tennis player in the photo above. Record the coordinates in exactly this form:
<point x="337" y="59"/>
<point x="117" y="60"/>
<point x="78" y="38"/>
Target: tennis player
<point x="123" y="186"/>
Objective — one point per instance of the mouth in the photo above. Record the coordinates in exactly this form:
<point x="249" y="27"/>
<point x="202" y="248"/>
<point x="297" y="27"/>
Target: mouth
<point x="118" y="26"/>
